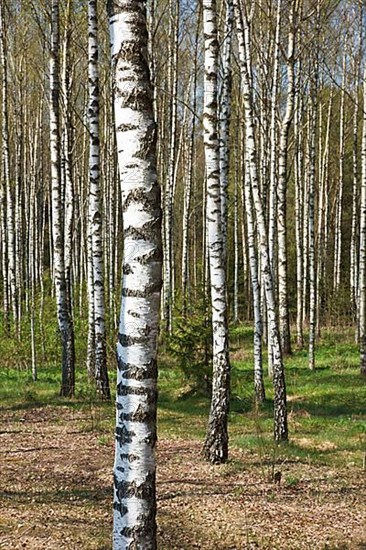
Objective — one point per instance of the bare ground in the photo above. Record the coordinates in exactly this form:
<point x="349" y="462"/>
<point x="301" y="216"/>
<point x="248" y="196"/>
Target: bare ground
<point x="55" y="493"/>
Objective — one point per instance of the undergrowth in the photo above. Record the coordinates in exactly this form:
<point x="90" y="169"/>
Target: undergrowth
<point x="326" y="408"/>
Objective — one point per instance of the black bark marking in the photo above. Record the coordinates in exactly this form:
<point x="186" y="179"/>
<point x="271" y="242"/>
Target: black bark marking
<point x="123" y="435"/>
<point x="138" y="372"/>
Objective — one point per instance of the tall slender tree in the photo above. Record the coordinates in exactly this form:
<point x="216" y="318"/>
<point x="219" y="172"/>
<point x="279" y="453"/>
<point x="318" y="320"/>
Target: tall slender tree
<point x="168" y="290"/>
<point x="216" y="442"/>
<point x="62" y="290"/>
<point x="280" y="399"/>
<point x="362" y="257"/>
<point x="224" y="118"/>
<point x="134" y="468"/>
<point x="284" y="315"/>
<point x="8" y="201"/>
<point x="97" y="327"/>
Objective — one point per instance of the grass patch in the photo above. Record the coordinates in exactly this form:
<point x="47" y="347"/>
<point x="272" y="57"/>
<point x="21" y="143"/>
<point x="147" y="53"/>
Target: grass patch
<point x="326" y="408"/>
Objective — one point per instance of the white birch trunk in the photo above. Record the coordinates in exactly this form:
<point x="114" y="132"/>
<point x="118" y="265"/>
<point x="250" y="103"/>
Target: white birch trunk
<point x="254" y="274"/>
<point x="188" y="183"/>
<point x="236" y="250"/>
<point x="322" y="211"/>
<point x="8" y="226"/>
<point x="280" y="405"/>
<point x="338" y="224"/>
<point x="224" y="119"/>
<point x="95" y="211"/>
<point x="4" y="241"/>
<point x="311" y="216"/>
<point x="216" y="443"/>
<point x="168" y="279"/>
<point x="62" y="297"/>
<point x="134" y="468"/>
<point x="283" y="307"/>
<point x="298" y="175"/>
<point x="354" y="223"/>
<point x="362" y="259"/>
<point x="272" y="206"/>
<point x="66" y="153"/>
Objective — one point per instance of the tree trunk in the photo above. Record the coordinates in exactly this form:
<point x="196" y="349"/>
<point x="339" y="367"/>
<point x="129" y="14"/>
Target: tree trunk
<point x="253" y="264"/>
<point x="362" y="260"/>
<point x="224" y="120"/>
<point x="284" y="315"/>
<point x="95" y="211"/>
<point x="338" y="221"/>
<point x="280" y="400"/>
<point x="298" y="175"/>
<point x="62" y="296"/>
<point x="216" y="444"/>
<point x="10" y="294"/>
<point x="134" y="467"/>
<point x="168" y="290"/>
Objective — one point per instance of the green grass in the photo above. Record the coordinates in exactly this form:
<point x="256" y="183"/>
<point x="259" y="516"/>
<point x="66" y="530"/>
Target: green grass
<point x="327" y="407"/>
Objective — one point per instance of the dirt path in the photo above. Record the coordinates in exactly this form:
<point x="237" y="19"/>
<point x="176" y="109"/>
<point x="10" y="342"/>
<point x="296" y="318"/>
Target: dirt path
<point x="55" y="493"/>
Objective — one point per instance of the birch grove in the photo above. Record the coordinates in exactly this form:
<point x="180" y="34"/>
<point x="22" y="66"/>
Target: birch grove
<point x="250" y="119"/>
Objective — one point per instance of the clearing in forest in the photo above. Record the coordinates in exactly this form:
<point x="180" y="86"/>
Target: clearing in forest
<point x="56" y="467"/>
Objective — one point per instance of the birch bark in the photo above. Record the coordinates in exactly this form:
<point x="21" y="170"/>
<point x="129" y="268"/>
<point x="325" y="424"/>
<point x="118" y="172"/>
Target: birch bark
<point x="272" y="210"/>
<point x="284" y="316"/>
<point x="362" y="258"/>
<point x="253" y="264"/>
<point x="134" y="467"/>
<point x="168" y="289"/>
<point x="216" y="443"/>
<point x="313" y="116"/>
<point x="322" y="213"/>
<point x="62" y="296"/>
<point x="5" y="177"/>
<point x="354" y="276"/>
<point x="95" y="211"/>
<point x="188" y="187"/>
<point x="8" y="227"/>
<point x="224" y="119"/>
<point x="280" y="404"/>
<point x="298" y="175"/>
<point x="338" y="224"/>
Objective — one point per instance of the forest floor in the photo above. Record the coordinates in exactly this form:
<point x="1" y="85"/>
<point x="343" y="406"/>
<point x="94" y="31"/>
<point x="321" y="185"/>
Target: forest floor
<point x="56" y="461"/>
<point x="56" y="490"/>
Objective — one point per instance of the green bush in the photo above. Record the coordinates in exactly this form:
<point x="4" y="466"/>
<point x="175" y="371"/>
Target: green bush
<point x="190" y="345"/>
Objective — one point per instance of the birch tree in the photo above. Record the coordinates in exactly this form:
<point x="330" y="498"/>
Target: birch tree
<point x="168" y="291"/>
<point x="284" y="316"/>
<point x="253" y="264"/>
<point x="134" y="467"/>
<point x="311" y="152"/>
<point x="298" y="173"/>
<point x="339" y="202"/>
<point x="62" y="291"/>
<point x="280" y="398"/>
<point x="4" y="184"/>
<point x="362" y="256"/>
<point x="355" y="176"/>
<point x="224" y="118"/>
<point x="216" y="443"/>
<point x="10" y="293"/>
<point x="187" y="195"/>
<point x="96" y="280"/>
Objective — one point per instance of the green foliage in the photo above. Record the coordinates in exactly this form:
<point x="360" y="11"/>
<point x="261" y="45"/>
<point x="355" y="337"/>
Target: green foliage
<point x="16" y="345"/>
<point x="327" y="420"/>
<point x="190" y="346"/>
